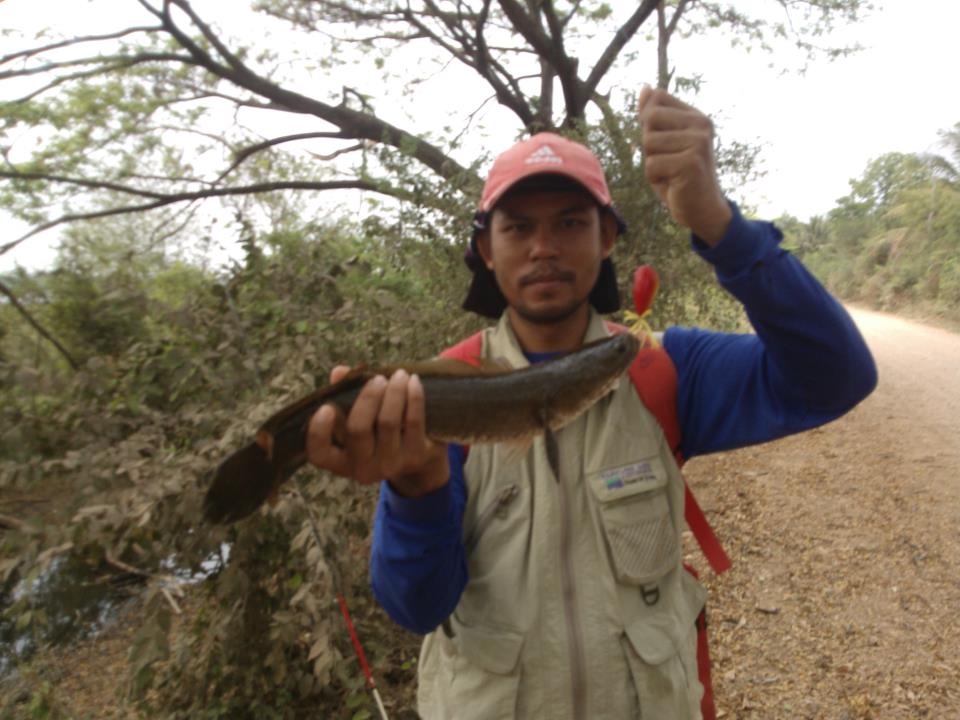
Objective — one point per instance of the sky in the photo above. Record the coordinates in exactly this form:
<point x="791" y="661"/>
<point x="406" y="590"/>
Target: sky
<point x="815" y="130"/>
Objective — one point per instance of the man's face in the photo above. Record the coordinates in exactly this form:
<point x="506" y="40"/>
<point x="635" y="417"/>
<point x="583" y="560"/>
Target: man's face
<point x="545" y="249"/>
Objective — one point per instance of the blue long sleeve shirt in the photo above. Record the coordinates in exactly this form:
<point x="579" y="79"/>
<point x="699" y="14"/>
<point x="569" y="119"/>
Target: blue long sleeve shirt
<point x="806" y="365"/>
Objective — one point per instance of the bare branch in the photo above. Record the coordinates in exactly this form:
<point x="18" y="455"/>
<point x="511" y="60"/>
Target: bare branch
<point x="32" y="52"/>
<point x="553" y="23"/>
<point x="358" y="125"/>
<point x="82" y="182"/>
<point x="469" y="121"/>
<point x="551" y="49"/>
<point x="681" y="7"/>
<point x="56" y="82"/>
<point x="663" y="38"/>
<point x="122" y="60"/>
<point x="570" y="15"/>
<point x="622" y="37"/>
<point x="247" y="152"/>
<point x="169" y="199"/>
<point x="35" y="324"/>
<point x="510" y="97"/>
<point x="232" y="60"/>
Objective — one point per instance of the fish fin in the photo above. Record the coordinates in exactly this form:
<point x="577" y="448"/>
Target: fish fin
<point x="240" y="485"/>
<point x="550" y="441"/>
<point x="455" y="367"/>
<point x="264" y="439"/>
<point x="514" y="450"/>
<point x="553" y="451"/>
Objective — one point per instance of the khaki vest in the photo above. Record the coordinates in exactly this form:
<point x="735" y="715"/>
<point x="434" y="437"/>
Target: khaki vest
<point x="577" y="605"/>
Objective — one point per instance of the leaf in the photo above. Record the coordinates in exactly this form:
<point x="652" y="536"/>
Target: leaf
<point x="320" y="647"/>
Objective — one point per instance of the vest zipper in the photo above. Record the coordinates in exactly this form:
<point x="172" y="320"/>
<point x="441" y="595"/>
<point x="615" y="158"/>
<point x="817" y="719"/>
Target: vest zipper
<point x="578" y="678"/>
<point x="503" y="498"/>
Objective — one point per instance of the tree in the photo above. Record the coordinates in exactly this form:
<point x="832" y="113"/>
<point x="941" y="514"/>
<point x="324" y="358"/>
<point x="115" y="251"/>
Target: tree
<point x="130" y="117"/>
<point x="882" y="181"/>
<point x="893" y="241"/>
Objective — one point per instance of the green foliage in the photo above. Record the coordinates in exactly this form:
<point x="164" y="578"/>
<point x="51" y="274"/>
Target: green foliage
<point x="893" y="242"/>
<point x="138" y="432"/>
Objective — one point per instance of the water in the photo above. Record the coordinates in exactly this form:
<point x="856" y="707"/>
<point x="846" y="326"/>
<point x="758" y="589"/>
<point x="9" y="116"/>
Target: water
<point x="71" y="605"/>
<point x="77" y="601"/>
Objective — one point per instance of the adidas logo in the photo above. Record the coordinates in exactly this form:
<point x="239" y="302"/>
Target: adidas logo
<point x="543" y="155"/>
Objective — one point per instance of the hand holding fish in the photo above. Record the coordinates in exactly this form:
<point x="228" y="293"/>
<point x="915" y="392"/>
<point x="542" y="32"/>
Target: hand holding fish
<point x="680" y="165"/>
<point x="382" y="437"/>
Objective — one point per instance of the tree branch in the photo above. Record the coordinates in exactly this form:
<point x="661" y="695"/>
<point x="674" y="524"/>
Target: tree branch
<point x="357" y="125"/>
<point x="232" y="60"/>
<point x="32" y="52"/>
<point x="552" y="50"/>
<point x="121" y="60"/>
<point x="35" y="324"/>
<point x="622" y="37"/>
<point x="664" y="33"/>
<point x="163" y="200"/>
<point x="510" y="97"/>
<point x="242" y="155"/>
<point x="56" y="82"/>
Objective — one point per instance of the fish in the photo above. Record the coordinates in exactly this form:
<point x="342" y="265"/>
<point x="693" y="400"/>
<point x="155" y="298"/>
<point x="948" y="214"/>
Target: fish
<point x="464" y="403"/>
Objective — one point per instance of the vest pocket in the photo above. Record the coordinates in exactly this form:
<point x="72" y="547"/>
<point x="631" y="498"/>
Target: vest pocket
<point x="664" y="670"/>
<point x="634" y="508"/>
<point x="486" y="674"/>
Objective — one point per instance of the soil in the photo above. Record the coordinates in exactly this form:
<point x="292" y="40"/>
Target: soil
<point x="840" y="604"/>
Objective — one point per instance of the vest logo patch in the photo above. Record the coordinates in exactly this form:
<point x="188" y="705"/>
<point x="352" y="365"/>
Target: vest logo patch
<point x="544" y="155"/>
<point x="628" y="475"/>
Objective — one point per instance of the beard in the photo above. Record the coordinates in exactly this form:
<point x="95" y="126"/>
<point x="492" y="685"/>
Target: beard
<point x="550" y="316"/>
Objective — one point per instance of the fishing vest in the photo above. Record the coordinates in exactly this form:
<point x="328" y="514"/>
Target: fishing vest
<point x="577" y="603"/>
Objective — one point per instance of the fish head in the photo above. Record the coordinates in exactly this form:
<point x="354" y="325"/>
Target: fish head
<point x="590" y="373"/>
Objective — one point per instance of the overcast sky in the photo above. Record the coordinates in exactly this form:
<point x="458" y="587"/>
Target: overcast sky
<point x="816" y="131"/>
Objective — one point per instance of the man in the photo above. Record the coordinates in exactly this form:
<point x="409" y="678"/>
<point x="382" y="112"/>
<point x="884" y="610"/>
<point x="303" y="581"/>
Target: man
<point x="564" y="597"/>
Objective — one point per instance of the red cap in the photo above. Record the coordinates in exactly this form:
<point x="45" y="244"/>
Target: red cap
<point x="545" y="153"/>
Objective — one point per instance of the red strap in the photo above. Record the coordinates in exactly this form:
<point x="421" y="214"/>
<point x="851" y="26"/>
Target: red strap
<point x="468" y="350"/>
<point x="707" y="707"/>
<point x="700" y="527"/>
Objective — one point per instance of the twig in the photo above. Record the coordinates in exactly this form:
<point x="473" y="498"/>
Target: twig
<point x="11" y="523"/>
<point x="27" y="499"/>
<point x="168" y="585"/>
<point x="173" y="603"/>
<point x="37" y="326"/>
<point x="124" y="567"/>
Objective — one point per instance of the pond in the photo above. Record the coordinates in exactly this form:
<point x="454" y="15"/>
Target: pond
<point x="72" y="601"/>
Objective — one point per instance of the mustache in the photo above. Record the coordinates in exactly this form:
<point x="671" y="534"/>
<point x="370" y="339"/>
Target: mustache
<point x="545" y="273"/>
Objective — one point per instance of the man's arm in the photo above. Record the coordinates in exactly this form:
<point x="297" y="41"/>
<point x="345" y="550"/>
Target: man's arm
<point x="806" y="365"/>
<point x="418" y="565"/>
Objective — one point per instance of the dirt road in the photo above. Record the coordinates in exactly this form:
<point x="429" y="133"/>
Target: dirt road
<point x="845" y="591"/>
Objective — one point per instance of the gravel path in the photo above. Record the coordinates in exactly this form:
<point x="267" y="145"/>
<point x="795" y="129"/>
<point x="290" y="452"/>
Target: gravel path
<point x="843" y="598"/>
